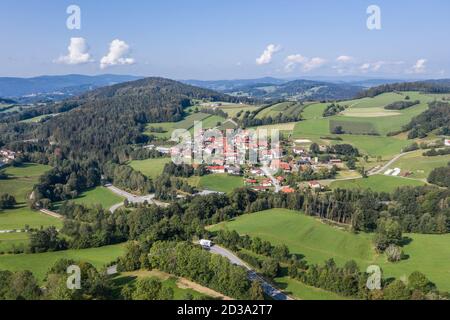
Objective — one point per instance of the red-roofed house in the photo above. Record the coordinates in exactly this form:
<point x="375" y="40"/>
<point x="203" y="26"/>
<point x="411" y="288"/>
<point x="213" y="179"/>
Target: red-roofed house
<point x="216" y="169"/>
<point x="315" y="185"/>
<point x="287" y="189"/>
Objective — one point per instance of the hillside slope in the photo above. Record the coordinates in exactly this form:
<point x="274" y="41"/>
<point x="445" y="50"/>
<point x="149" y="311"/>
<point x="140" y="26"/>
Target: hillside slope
<point x="105" y="120"/>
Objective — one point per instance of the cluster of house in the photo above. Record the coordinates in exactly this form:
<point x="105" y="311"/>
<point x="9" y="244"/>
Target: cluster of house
<point x="219" y="151"/>
<point x="6" y="156"/>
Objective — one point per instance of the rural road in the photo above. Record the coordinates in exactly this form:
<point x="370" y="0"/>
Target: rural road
<point x="389" y="163"/>
<point x="132" y="198"/>
<point x="373" y="172"/>
<point x="272" y="178"/>
<point x="51" y="213"/>
<point x="269" y="289"/>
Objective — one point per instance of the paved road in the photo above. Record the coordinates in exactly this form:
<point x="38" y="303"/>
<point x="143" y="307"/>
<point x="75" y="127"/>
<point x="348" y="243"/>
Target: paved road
<point x="390" y="162"/>
<point x="269" y="289"/>
<point x="271" y="177"/>
<point x="132" y="198"/>
<point x="373" y="172"/>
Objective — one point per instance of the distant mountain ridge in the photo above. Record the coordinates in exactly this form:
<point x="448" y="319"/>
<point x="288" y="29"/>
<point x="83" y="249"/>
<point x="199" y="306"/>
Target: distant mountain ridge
<point x="56" y="87"/>
<point x="270" y="89"/>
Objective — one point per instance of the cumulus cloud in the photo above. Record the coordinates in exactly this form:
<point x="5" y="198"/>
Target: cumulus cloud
<point x="420" y="66"/>
<point x="78" y="52"/>
<point x="118" y="55"/>
<point x="344" y="59"/>
<point x="306" y="64"/>
<point x="267" y="55"/>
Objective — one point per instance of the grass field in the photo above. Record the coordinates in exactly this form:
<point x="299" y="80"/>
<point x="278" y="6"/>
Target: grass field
<point x="10" y="240"/>
<point x="217" y="182"/>
<point x="167" y="280"/>
<point x="378" y="183"/>
<point x="20" y="183"/>
<point x="418" y="165"/>
<point x="318" y="242"/>
<point x="22" y="179"/>
<point x="233" y="109"/>
<point x="285" y="108"/>
<point x="20" y="217"/>
<point x="353" y="127"/>
<point x="98" y="196"/>
<point x="208" y="121"/>
<point x="40" y="263"/>
<point x="303" y="291"/>
<point x="221" y="182"/>
<point x="152" y="168"/>
<point x="361" y="116"/>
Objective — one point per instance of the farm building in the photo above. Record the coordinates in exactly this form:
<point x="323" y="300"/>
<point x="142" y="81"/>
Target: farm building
<point x="216" y="169"/>
<point x="315" y="185"/>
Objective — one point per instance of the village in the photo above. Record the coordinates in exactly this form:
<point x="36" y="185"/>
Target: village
<point x="264" y="165"/>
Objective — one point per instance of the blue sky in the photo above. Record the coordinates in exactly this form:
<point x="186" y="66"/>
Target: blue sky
<point x="222" y="39"/>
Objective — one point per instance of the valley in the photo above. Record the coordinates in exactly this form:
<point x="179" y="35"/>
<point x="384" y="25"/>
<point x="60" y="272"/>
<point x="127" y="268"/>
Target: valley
<point x="315" y="197"/>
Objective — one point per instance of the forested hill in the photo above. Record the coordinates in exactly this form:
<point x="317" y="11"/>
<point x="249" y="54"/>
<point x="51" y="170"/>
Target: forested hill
<point x="428" y="86"/>
<point x="6" y="101"/>
<point x="103" y="121"/>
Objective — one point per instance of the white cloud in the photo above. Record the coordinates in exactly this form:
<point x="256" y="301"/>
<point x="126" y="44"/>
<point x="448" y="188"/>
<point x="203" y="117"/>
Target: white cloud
<point x="420" y="66"/>
<point x="78" y="52"/>
<point x="118" y="55"/>
<point x="314" y="63"/>
<point x="306" y="64"/>
<point x="266" y="56"/>
<point x="380" y="65"/>
<point x="344" y="59"/>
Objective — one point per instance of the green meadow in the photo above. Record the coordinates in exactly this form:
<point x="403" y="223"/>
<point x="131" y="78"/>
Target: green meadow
<point x="168" y="281"/>
<point x="377" y="183"/>
<point x="420" y="166"/>
<point x="22" y="216"/>
<point x="208" y="121"/>
<point x="217" y="182"/>
<point x="318" y="241"/>
<point x="98" y="196"/>
<point x="152" y="168"/>
<point x="19" y="184"/>
<point x="8" y="241"/>
<point x="362" y="116"/>
<point x="39" y="263"/>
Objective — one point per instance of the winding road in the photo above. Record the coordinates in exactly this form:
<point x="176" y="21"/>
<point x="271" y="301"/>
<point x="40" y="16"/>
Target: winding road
<point x="268" y="288"/>
<point x="150" y="198"/>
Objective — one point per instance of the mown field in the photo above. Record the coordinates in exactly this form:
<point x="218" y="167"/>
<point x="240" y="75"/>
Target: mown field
<point x="208" y="121"/>
<point x="22" y="216"/>
<point x="217" y="182"/>
<point x="168" y="281"/>
<point x="98" y="196"/>
<point x="378" y="183"/>
<point x="152" y="168"/>
<point x="8" y="241"/>
<point x="418" y="165"/>
<point x="285" y="108"/>
<point x="20" y="183"/>
<point x="40" y="263"/>
<point x="361" y="117"/>
<point x="318" y="242"/>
